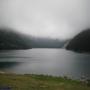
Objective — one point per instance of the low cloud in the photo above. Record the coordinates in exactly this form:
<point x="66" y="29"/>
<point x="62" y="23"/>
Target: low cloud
<point x="45" y="18"/>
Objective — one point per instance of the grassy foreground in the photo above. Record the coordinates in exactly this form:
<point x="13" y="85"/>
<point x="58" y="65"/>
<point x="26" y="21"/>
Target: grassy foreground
<point x="39" y="82"/>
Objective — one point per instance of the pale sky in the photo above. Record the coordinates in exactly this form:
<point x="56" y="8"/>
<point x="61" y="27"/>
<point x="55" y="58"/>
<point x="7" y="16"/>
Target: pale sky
<point x="45" y="18"/>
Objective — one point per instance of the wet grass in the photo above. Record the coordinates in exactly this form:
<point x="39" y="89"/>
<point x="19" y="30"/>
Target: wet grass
<point x="39" y="82"/>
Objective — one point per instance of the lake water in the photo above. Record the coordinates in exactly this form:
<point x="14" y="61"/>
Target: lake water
<point x="56" y="62"/>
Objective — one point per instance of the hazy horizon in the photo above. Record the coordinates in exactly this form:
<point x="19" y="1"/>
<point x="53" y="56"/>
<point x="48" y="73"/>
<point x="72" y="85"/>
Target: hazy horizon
<point x="60" y="19"/>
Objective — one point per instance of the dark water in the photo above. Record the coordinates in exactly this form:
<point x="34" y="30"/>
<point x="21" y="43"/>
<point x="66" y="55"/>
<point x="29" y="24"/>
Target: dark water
<point x="57" y="62"/>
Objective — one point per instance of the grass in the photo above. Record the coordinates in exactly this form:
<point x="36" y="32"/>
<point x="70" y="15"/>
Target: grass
<point x="39" y="82"/>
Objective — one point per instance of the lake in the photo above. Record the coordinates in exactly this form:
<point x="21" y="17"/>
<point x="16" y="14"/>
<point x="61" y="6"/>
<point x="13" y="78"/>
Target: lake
<point x="56" y="62"/>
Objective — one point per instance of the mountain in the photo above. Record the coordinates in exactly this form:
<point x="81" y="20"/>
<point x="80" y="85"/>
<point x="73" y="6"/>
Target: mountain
<point x="81" y="42"/>
<point x="10" y="39"/>
<point x="37" y="42"/>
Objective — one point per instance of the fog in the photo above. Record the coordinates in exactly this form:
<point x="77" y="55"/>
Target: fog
<point x="45" y="18"/>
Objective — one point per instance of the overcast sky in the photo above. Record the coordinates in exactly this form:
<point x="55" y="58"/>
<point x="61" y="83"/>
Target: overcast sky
<point x="45" y="18"/>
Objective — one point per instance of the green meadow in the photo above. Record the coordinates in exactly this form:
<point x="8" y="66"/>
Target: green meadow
<point x="40" y="82"/>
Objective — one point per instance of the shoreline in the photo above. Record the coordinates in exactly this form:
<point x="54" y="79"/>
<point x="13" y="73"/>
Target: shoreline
<point x="40" y="82"/>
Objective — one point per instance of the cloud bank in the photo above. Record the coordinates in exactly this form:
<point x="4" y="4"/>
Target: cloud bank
<point x="45" y="18"/>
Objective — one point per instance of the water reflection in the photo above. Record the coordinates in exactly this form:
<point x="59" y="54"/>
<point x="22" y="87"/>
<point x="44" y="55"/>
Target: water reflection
<point x="8" y="64"/>
<point x="57" y="62"/>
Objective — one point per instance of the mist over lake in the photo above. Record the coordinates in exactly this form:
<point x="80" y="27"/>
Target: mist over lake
<point x="44" y="44"/>
<point x="33" y="34"/>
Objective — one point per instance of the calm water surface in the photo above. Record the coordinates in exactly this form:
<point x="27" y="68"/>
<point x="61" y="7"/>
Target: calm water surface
<point x="56" y="62"/>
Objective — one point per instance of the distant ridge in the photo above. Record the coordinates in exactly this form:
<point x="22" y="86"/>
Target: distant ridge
<point x="10" y="39"/>
<point x="37" y="42"/>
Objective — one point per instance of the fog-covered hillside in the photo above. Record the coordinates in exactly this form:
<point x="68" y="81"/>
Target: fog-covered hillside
<point x="81" y="42"/>
<point x="12" y="40"/>
<point x="46" y="42"/>
<point x="9" y="39"/>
